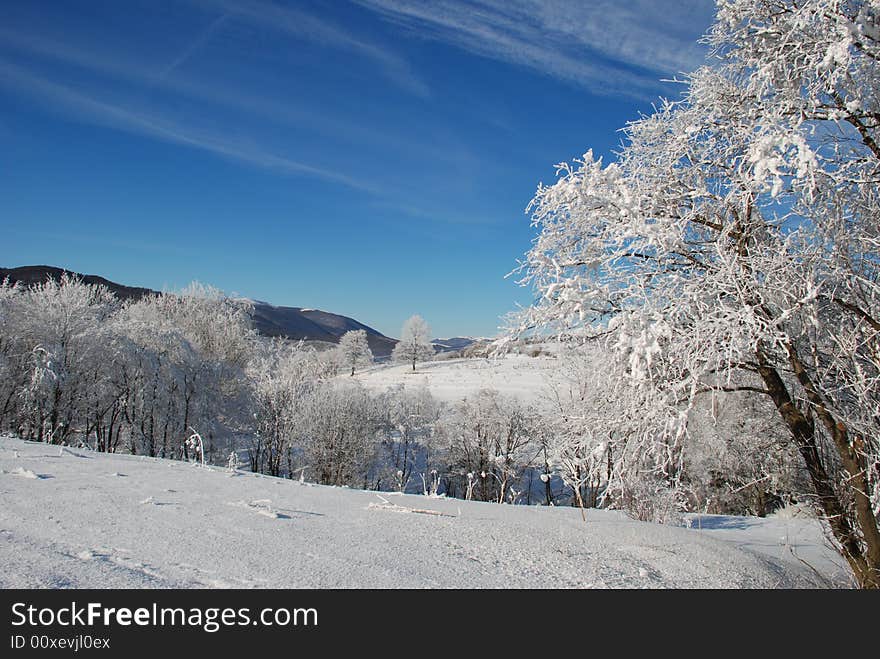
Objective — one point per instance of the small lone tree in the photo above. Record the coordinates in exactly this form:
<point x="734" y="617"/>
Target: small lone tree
<point x="415" y="342"/>
<point x="354" y="350"/>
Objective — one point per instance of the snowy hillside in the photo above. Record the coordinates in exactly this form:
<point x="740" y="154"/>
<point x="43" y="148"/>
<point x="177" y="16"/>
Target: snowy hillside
<point x="71" y="518"/>
<point x="527" y="378"/>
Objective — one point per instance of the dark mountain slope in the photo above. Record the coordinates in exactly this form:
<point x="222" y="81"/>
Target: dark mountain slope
<point x="30" y="275"/>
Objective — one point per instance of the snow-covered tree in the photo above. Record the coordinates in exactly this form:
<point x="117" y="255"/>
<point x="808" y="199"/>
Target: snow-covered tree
<point x="354" y="351"/>
<point x="407" y="418"/>
<point x="337" y="434"/>
<point x="737" y="459"/>
<point x="415" y="342"/>
<point x="185" y="367"/>
<point x="80" y="366"/>
<point x="594" y="429"/>
<point x="488" y="440"/>
<point x="282" y="375"/>
<point x="56" y="342"/>
<point x="732" y="246"/>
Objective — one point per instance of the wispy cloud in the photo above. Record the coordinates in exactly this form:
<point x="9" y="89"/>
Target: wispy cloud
<point x="117" y="66"/>
<point x="607" y="46"/>
<point x="300" y="24"/>
<point x="59" y="97"/>
<point x="257" y="103"/>
<point x="197" y="44"/>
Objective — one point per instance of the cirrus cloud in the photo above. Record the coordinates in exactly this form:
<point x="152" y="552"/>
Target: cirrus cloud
<point x="606" y="46"/>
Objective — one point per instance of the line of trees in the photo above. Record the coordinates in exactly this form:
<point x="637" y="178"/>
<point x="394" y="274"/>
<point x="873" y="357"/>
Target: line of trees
<point x="79" y="367"/>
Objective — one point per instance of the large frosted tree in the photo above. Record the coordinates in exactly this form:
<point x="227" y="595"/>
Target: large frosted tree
<point x="415" y="342"/>
<point x="733" y="246"/>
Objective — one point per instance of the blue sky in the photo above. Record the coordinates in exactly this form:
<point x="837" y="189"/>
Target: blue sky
<point x="372" y="158"/>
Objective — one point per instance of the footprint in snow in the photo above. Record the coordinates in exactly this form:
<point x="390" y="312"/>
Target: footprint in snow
<point x="271" y="514"/>
<point x="153" y="502"/>
<point x="92" y="554"/>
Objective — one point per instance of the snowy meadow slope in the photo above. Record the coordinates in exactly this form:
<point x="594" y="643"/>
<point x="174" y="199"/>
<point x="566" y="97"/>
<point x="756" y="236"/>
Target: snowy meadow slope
<point x="529" y="379"/>
<point x="73" y="518"/>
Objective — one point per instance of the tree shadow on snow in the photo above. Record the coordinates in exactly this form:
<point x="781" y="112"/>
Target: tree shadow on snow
<point x="720" y="522"/>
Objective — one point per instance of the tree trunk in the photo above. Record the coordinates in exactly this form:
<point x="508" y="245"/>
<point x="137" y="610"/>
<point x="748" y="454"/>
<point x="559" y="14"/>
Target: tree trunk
<point x="865" y="564"/>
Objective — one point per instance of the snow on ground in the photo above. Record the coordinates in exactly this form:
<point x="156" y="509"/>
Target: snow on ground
<point x="450" y="380"/>
<point x="782" y="537"/>
<point x="71" y="518"/>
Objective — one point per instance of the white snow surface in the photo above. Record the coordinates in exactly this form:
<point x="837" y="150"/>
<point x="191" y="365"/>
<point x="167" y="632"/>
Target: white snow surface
<point x="111" y="521"/>
<point x="526" y="378"/>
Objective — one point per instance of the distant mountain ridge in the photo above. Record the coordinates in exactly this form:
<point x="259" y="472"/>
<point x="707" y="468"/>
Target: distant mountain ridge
<point x="454" y="343"/>
<point x="30" y="275"/>
<point x="294" y="323"/>
<point x="314" y="325"/>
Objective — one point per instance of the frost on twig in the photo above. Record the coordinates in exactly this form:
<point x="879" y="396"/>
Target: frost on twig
<point x="387" y="505"/>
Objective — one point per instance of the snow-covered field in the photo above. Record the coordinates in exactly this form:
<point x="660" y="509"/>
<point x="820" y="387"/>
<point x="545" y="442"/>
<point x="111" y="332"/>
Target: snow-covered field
<point x="71" y="518"/>
<point x="526" y="378"/>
